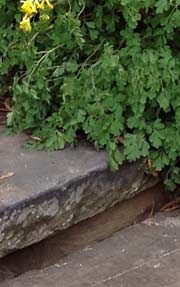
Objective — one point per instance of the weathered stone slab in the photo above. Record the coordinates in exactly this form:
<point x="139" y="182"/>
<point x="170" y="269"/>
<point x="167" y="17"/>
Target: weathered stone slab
<point x="52" y="190"/>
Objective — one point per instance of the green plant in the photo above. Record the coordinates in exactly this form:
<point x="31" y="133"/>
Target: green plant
<point x="108" y="68"/>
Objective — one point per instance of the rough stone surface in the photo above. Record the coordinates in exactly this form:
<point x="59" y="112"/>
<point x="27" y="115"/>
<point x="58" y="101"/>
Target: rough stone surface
<point x="144" y="255"/>
<point x="52" y="190"/>
<point x="103" y="225"/>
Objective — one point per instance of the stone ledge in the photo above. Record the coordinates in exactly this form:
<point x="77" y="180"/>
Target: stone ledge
<point x="50" y="191"/>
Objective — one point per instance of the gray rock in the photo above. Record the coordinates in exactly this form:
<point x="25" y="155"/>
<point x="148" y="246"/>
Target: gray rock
<point x="50" y="191"/>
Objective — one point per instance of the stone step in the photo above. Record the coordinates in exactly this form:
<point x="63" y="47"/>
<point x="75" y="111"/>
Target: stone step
<point x="103" y="225"/>
<point x="51" y="191"/>
<point x="146" y="254"/>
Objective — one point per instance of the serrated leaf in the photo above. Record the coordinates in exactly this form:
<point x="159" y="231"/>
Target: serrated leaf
<point x="135" y="146"/>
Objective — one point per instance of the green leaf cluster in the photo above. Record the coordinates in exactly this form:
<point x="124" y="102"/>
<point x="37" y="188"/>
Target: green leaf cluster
<point x="109" y="69"/>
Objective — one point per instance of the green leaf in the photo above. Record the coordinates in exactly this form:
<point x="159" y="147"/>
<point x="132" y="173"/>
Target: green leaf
<point x="135" y="146"/>
<point x="156" y="138"/>
<point x="163" y="101"/>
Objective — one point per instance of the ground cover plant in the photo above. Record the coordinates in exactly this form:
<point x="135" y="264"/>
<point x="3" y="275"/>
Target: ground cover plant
<point x="107" y="68"/>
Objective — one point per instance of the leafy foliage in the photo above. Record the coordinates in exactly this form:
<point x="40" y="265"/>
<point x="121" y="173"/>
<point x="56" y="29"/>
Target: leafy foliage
<point x="109" y="68"/>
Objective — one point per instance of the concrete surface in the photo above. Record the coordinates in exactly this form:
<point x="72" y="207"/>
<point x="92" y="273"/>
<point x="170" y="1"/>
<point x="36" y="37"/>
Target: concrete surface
<point x="50" y="191"/>
<point x="143" y="255"/>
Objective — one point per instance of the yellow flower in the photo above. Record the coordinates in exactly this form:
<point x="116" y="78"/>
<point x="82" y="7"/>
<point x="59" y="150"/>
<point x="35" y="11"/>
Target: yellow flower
<point x="25" y="24"/>
<point x="28" y="7"/>
<point x="40" y="5"/>
<point x="50" y="6"/>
